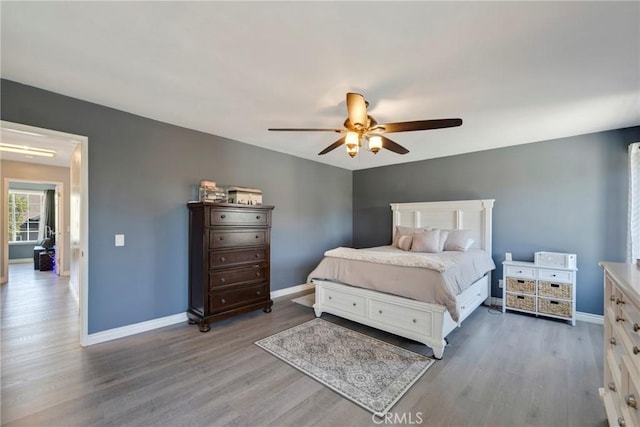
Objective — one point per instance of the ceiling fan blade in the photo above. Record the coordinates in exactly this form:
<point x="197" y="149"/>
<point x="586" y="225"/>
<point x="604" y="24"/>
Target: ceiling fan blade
<point x="357" y="110"/>
<point x="421" y="125"/>
<point x="333" y="146"/>
<point x="393" y="146"/>
<point x="306" y="130"/>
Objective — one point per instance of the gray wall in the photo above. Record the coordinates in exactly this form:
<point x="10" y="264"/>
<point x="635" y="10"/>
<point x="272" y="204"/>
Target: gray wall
<point x="565" y="195"/>
<point x="141" y="174"/>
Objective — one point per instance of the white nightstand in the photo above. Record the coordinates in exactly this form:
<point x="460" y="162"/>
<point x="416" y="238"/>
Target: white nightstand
<point x="539" y="290"/>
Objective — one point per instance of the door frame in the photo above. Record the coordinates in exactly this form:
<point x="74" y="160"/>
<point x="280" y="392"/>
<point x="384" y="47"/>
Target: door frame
<point x="79" y="215"/>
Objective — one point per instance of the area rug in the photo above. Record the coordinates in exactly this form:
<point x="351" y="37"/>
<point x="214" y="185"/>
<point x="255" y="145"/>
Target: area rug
<point x="370" y="372"/>
<point x="306" y="300"/>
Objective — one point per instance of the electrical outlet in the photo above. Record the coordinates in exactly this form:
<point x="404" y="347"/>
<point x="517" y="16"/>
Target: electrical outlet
<point x="119" y="239"/>
<point x="500" y="283"/>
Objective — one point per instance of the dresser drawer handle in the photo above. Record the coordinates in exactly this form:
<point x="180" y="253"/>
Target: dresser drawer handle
<point x="257" y="255"/>
<point x="613" y="341"/>
<point x="257" y="273"/>
<point x="257" y="237"/>
<point x="621" y="422"/>
<point x="612" y="298"/>
<point x="258" y="292"/>
<point x="223" y="259"/>
<point x="354" y="304"/>
<point x="636" y="350"/>
<point x="221" y="237"/>
<point x="519" y="272"/>
<point x="619" y="301"/>
<point x="636" y="327"/>
<point x="380" y="311"/>
<point x="223" y="216"/>
<point x="329" y="297"/>
<point x="520" y="281"/>
<point x="555" y="285"/>
<point x="223" y="301"/>
<point x="257" y="216"/>
<point x="619" y="319"/>
<point x="631" y="402"/>
<point x="222" y="280"/>
<point x="415" y="321"/>
<point x="463" y="307"/>
<point x="611" y="386"/>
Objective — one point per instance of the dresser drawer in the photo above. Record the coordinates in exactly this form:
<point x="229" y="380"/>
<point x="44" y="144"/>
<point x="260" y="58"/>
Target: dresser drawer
<point x="223" y="300"/>
<point x="521" y="286"/>
<point x="238" y="217"/>
<point x="555" y="275"/>
<point x="555" y="307"/>
<point x="629" y="394"/>
<point x="228" y="239"/>
<point x="399" y="316"/>
<point x="227" y="258"/>
<point x="521" y="302"/>
<point x="519" y="271"/>
<point x="236" y="276"/>
<point x="555" y="290"/>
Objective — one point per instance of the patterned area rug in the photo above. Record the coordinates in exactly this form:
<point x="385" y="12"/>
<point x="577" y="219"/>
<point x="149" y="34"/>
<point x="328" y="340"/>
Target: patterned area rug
<point x="370" y="372"/>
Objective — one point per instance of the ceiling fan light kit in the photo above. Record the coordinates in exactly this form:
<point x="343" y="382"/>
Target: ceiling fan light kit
<point x="359" y="127"/>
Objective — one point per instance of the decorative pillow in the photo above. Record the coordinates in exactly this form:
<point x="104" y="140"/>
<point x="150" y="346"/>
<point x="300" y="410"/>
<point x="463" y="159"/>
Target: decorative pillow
<point x="404" y="242"/>
<point x="404" y="231"/>
<point x="426" y="241"/>
<point x="443" y="239"/>
<point x="458" y="240"/>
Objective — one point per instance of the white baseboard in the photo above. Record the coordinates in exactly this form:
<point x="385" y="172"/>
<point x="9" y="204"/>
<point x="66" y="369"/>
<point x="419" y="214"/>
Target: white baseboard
<point x="291" y="290"/>
<point x="20" y="260"/>
<point x="136" y="328"/>
<point x="65" y="273"/>
<point x="581" y="316"/>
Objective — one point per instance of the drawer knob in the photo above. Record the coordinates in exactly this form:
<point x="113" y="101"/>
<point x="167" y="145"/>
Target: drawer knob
<point x="221" y="237"/>
<point x="631" y="402"/>
<point x="257" y="237"/>
<point x="380" y="311"/>
<point x="257" y="216"/>
<point x="257" y="255"/>
<point x="611" y="386"/>
<point x="619" y="319"/>
<point x="636" y="350"/>
<point x="612" y="298"/>
<point x="329" y="297"/>
<point x="222" y="259"/>
<point x="223" y="301"/>
<point x="613" y="341"/>
<point x="462" y="308"/>
<point x="415" y="321"/>
<point x="636" y="327"/>
<point x="621" y="422"/>
<point x="222" y="280"/>
<point x="257" y="273"/>
<point x="223" y="216"/>
<point x="258" y="292"/>
<point x="619" y="301"/>
<point x="354" y="304"/>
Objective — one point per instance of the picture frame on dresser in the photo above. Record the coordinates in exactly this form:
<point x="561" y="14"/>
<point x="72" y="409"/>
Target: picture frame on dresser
<point x="229" y="261"/>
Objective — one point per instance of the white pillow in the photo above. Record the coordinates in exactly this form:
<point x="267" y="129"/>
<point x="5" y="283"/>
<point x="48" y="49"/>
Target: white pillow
<point x="458" y="240"/>
<point x="404" y="242"/>
<point x="426" y="241"/>
<point x="404" y="231"/>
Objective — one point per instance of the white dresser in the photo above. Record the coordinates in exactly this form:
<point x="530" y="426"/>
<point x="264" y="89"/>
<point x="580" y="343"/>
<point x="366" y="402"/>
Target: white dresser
<point x="621" y="343"/>
<point x="539" y="290"/>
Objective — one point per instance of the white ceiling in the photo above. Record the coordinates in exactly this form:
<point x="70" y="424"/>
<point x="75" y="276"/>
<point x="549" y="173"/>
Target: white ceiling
<point x="515" y="72"/>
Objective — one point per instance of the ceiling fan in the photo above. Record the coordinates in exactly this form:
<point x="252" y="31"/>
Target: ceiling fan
<point x="360" y="127"/>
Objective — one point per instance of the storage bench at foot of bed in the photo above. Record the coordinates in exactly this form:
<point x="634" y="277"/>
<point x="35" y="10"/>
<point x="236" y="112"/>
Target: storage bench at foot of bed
<point x="420" y="321"/>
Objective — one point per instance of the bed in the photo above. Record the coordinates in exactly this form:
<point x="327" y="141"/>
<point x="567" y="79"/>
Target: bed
<point x="422" y="312"/>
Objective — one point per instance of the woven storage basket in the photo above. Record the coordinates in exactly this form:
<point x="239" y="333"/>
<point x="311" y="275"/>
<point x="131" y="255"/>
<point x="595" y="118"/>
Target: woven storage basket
<point x="556" y="290"/>
<point x="557" y="308"/>
<point x="522" y="286"/>
<point x="521" y="302"/>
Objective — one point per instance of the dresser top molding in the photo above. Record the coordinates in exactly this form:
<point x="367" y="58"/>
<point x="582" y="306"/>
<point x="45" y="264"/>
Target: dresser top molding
<point x="627" y="276"/>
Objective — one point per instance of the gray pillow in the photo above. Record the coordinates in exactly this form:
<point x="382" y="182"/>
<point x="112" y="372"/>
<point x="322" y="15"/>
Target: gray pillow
<point x="458" y="240"/>
<point x="426" y="241"/>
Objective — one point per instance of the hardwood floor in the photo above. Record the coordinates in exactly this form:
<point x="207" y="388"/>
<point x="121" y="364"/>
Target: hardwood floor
<point x="499" y="370"/>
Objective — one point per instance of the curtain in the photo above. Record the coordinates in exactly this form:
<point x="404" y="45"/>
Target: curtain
<point x="48" y="216"/>
<point x="633" y="238"/>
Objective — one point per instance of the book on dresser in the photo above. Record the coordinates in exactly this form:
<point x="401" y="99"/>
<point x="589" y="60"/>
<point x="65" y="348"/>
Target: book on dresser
<point x="621" y="389"/>
<point x="540" y="289"/>
<point x="229" y="261"/>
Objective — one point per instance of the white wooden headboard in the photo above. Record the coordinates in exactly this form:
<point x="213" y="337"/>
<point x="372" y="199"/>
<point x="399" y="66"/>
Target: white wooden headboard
<point x="474" y="215"/>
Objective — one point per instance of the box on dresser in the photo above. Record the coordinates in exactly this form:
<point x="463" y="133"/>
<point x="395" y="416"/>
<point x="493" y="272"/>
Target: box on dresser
<point x="620" y="393"/>
<point x="229" y="261"/>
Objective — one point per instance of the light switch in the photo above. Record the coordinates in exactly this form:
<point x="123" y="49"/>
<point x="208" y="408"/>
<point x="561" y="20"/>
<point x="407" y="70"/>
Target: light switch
<point x="119" y="239"/>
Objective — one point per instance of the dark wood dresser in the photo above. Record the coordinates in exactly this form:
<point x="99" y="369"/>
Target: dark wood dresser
<point x="229" y="254"/>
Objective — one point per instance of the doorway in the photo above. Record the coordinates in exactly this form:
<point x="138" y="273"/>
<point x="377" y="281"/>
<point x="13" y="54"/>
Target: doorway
<point x="72" y="150"/>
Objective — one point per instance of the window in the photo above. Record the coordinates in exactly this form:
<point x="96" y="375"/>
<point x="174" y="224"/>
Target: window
<point x="24" y="215"/>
